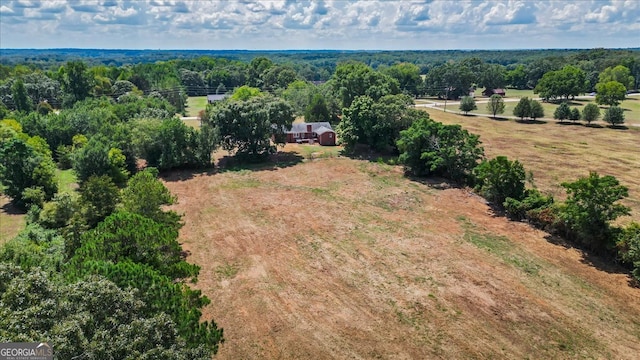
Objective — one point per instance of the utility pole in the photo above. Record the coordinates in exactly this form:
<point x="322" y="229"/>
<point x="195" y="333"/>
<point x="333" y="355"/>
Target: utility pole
<point x="446" y="97"/>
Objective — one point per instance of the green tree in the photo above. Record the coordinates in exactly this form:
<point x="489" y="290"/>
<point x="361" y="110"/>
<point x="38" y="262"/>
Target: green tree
<point x="299" y="94"/>
<point x="537" y="111"/>
<point x="80" y="325"/>
<point x="375" y="123"/>
<point x="610" y="93"/>
<point x="352" y="79"/>
<point x="170" y="143"/>
<point x="591" y="112"/>
<point x="562" y="112"/>
<point x="99" y="197"/>
<point x="499" y="179"/>
<point x="614" y="115"/>
<point x="467" y="103"/>
<point x="568" y="82"/>
<point x="35" y="247"/>
<point x="245" y="93"/>
<point x="620" y="73"/>
<point x="76" y="80"/>
<point x="431" y="148"/>
<point x="97" y="159"/>
<point x="590" y="207"/>
<point x="21" y="100"/>
<point x="23" y="167"/>
<point x="248" y="127"/>
<point x="257" y="67"/>
<point x="517" y="77"/>
<point x="523" y="108"/>
<point x="495" y="105"/>
<point x="628" y="245"/>
<point x="451" y="80"/>
<point x="125" y="236"/>
<point x="408" y="77"/>
<point x="58" y="213"/>
<point x="122" y="87"/>
<point x="193" y="82"/>
<point x="278" y="77"/>
<point x="317" y="110"/>
<point x="44" y="108"/>
<point x="146" y="195"/>
<point x="492" y="76"/>
<point x="575" y="114"/>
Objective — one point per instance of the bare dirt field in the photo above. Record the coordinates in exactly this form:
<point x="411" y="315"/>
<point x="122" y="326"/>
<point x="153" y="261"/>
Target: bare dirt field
<point x="557" y="153"/>
<point x="336" y="258"/>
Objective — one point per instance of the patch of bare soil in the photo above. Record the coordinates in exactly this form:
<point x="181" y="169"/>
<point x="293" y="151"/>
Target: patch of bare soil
<point x="346" y="259"/>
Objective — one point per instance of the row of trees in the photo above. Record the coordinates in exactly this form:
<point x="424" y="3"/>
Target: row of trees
<point x="532" y="109"/>
<point x="24" y="88"/>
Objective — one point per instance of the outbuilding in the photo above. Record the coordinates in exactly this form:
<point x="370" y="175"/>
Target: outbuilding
<point x="489" y="92"/>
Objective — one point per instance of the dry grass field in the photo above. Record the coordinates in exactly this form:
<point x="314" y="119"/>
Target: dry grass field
<point x="337" y="258"/>
<point x="12" y="220"/>
<point x="556" y="153"/>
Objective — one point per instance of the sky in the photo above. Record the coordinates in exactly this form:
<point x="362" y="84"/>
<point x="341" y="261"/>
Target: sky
<point x="322" y="24"/>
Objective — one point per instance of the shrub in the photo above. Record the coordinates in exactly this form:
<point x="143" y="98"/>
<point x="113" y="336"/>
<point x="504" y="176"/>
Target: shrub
<point x="628" y="246"/>
<point x="562" y="112"/>
<point x="574" y="115"/>
<point x="57" y="213"/>
<point x="499" y="179"/>
<point x="532" y="200"/>
<point x="44" y="108"/>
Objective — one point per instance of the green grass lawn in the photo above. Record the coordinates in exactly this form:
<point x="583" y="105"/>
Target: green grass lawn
<point x="195" y="104"/>
<point x="67" y="181"/>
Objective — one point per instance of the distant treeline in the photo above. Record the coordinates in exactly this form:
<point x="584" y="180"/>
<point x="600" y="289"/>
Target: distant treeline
<point x="322" y="59"/>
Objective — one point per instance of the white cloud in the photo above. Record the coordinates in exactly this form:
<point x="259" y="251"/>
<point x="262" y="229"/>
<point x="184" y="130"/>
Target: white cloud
<point x="340" y="24"/>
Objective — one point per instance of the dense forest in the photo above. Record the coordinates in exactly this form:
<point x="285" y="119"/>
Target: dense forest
<point x="111" y="117"/>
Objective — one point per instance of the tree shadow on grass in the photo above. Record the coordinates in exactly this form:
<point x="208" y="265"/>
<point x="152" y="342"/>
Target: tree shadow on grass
<point x="531" y="122"/>
<point x="184" y="174"/>
<point x="603" y="262"/>
<point x="434" y="182"/>
<point x="279" y="160"/>
<point x="364" y="152"/>
<point x="618" y="127"/>
<point x="569" y="123"/>
<point x="595" y="126"/>
<point x="498" y="118"/>
<point x="11" y="209"/>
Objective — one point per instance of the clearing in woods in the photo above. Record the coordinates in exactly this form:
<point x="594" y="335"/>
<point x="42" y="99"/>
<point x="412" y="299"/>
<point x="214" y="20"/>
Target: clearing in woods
<point x="336" y="258"/>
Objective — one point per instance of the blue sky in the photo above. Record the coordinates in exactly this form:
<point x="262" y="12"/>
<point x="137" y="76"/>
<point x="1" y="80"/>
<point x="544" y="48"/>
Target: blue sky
<point x="322" y="24"/>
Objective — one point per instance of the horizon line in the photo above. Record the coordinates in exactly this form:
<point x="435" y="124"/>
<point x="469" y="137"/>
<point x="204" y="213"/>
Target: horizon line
<point x="324" y="49"/>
